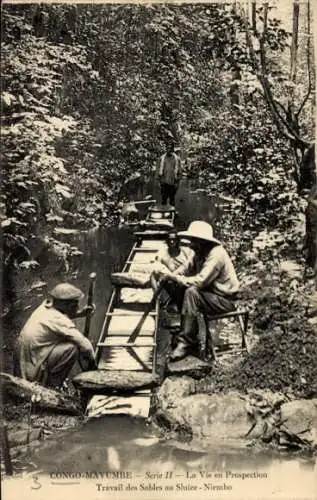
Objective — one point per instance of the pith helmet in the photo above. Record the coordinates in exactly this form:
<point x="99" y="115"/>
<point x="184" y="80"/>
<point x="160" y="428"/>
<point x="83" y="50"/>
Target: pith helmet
<point x="201" y="230"/>
<point x="66" y="291"/>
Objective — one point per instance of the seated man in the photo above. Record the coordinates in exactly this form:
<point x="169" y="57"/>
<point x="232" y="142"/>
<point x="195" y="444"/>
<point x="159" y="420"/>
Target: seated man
<point x="50" y="342"/>
<point x="212" y="290"/>
<point x="173" y="257"/>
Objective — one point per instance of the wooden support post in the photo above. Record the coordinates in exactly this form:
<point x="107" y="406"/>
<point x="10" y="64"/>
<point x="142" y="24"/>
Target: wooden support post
<point x="243" y="322"/>
<point x="246" y="321"/>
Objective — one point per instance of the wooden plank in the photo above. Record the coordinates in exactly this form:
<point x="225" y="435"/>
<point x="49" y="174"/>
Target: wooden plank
<point x="144" y="341"/>
<point x="145" y="250"/>
<point x="150" y="234"/>
<point x="162" y="208"/>
<point x="136" y="295"/>
<point x="141" y="268"/>
<point x="125" y="335"/>
<point x="137" y="405"/>
<point x="157" y="309"/>
<point x="110" y="343"/>
<point x="117" y="358"/>
<point x="136" y="244"/>
<point x="139" y="314"/>
<point x="126" y="324"/>
<point x="157" y="244"/>
<point x="104" y="329"/>
<point x="139" y="261"/>
<point x="139" y="360"/>
<point x="142" y="257"/>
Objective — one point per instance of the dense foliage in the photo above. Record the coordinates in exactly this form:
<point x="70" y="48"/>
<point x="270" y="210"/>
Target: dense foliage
<point x="101" y="88"/>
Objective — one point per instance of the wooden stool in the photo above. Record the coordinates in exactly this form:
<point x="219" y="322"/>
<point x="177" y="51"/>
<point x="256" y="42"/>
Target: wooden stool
<point x="241" y="313"/>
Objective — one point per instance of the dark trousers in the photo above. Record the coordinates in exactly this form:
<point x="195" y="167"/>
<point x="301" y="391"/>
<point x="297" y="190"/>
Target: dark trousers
<point x="191" y="301"/>
<point x="168" y="193"/>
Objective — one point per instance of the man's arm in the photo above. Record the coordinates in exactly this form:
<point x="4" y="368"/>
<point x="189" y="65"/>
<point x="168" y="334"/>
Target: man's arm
<point x="68" y="331"/>
<point x="187" y="266"/>
<point x="85" y="310"/>
<point x="206" y="276"/>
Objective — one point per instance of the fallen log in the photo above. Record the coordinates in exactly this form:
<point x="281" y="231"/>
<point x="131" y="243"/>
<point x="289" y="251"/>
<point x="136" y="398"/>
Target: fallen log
<point x="45" y="397"/>
<point x="138" y="280"/>
<point x="104" y="381"/>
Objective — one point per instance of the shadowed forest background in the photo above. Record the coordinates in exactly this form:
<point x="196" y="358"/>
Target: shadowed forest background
<point x="92" y="93"/>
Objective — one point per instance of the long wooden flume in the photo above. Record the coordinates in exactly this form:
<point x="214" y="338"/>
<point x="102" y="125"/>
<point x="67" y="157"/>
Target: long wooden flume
<point x="126" y="348"/>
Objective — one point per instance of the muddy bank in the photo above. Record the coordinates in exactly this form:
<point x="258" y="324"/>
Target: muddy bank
<point x="256" y="418"/>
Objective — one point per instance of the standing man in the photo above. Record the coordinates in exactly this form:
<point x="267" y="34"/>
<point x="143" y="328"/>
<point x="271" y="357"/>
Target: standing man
<point x="50" y="342"/>
<point x="211" y="289"/>
<point x="169" y="174"/>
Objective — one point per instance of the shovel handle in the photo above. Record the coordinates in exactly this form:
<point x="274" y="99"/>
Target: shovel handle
<point x="92" y="279"/>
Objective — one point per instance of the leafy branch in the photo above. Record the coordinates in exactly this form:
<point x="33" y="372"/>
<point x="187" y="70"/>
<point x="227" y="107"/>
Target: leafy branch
<point x="278" y="111"/>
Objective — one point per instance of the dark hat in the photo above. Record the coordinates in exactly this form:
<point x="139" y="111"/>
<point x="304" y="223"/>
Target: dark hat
<point x="66" y="291"/>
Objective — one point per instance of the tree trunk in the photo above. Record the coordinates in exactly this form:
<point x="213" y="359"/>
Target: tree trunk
<point x="45" y="398"/>
<point x="294" y="48"/>
<point x="235" y="87"/>
<point x="253" y="16"/>
<point x="314" y="12"/>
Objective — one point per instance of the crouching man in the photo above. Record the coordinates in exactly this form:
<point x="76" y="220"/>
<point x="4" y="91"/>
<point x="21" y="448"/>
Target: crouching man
<point x="211" y="289"/>
<point x="50" y="343"/>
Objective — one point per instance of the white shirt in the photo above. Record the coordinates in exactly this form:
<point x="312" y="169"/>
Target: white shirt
<point x="46" y="328"/>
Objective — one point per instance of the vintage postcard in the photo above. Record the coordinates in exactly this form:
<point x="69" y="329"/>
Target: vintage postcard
<point x="159" y="250"/>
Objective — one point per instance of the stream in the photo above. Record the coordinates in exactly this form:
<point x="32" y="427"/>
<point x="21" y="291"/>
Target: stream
<point x="124" y="444"/>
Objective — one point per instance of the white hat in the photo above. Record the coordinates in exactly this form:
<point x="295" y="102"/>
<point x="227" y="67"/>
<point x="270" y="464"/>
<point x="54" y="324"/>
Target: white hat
<point x="201" y="230"/>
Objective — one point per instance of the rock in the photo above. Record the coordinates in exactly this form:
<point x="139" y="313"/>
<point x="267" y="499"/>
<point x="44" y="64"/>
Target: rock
<point x="299" y="417"/>
<point x="191" y="366"/>
<point x="174" y="388"/>
<point x="100" y="381"/>
<point x="216" y="416"/>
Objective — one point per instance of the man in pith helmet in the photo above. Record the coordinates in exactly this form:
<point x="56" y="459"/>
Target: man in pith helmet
<point x="208" y="285"/>
<point x="50" y="343"/>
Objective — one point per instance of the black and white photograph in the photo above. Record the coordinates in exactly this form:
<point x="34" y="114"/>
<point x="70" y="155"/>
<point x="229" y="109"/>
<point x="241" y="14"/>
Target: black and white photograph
<point x="159" y="250"/>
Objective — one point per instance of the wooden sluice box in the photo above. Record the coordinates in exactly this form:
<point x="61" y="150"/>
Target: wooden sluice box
<point x="127" y="369"/>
